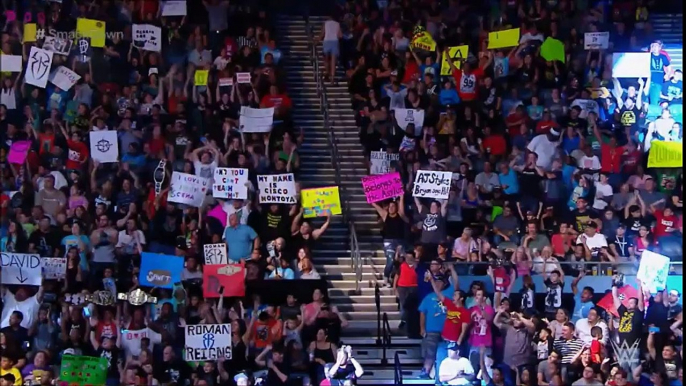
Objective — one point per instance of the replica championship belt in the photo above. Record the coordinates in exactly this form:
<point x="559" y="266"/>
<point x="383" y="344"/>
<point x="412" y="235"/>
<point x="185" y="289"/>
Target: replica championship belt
<point x="101" y="298"/>
<point x="137" y="297"/>
<point x="158" y="176"/>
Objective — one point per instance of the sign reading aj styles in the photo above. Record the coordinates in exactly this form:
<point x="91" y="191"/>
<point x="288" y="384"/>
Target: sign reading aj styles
<point x="158" y="270"/>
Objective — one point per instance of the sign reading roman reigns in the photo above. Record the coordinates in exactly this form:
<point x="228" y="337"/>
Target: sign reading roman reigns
<point x="208" y="342"/>
<point x="276" y="189"/>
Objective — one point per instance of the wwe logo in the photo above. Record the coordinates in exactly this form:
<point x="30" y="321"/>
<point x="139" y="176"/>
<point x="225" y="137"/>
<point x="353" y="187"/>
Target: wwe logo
<point x="627" y="356"/>
<point x="40" y="34"/>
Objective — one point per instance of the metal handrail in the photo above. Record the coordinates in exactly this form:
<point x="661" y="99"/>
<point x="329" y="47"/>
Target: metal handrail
<point x="355" y="257"/>
<point x="386" y="338"/>
<point x="398" y="370"/>
<point x="377" y="301"/>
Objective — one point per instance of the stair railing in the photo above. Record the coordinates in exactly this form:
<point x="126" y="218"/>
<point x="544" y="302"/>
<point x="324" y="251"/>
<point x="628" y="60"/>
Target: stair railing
<point x="397" y="369"/>
<point x="377" y="301"/>
<point x="355" y="257"/>
<point x="386" y="332"/>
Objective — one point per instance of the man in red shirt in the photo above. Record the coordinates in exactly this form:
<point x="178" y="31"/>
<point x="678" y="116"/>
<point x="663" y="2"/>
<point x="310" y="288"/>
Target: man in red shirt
<point x="494" y="144"/>
<point x="610" y="156"/>
<point x="466" y="79"/>
<point x="78" y="152"/>
<point x="280" y="102"/>
<point x="665" y="222"/>
<point x="546" y="123"/>
<point x="457" y="317"/>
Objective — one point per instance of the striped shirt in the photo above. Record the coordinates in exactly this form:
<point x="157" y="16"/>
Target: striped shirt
<point x="568" y="348"/>
<point x="243" y="41"/>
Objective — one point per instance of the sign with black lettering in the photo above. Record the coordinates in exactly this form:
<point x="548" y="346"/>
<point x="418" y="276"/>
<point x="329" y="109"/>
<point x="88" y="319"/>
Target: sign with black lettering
<point x="21" y="268"/>
<point x="230" y="183"/>
<point x="432" y="184"/>
<point x="276" y="189"/>
<point x="208" y="342"/>
<point x="215" y="254"/>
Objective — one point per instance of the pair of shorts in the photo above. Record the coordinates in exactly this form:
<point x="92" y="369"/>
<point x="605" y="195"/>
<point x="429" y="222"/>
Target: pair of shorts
<point x="430" y="345"/>
<point x="330" y="47"/>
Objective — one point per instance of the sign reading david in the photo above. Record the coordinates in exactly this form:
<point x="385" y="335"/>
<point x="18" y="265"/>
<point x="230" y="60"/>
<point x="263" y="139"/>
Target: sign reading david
<point x="208" y="342"/>
<point x="21" y="268"/>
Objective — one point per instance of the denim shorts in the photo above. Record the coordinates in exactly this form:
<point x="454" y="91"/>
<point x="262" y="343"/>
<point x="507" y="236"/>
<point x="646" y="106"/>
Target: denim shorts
<point x="430" y="345"/>
<point x="330" y="47"/>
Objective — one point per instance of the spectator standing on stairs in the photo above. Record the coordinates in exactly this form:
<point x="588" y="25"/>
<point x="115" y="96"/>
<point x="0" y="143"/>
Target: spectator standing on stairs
<point x="433" y="224"/>
<point x="330" y="35"/>
<point x="394" y="229"/>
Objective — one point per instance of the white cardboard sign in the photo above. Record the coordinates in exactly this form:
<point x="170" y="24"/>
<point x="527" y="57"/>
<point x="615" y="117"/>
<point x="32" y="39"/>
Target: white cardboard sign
<point x="256" y="120"/>
<point x="381" y="162"/>
<point x="432" y="184"/>
<point x="208" y="342"/>
<point x="230" y="183"/>
<point x="147" y="36"/>
<point x="174" y="8"/>
<point x="64" y="78"/>
<point x="215" y="254"/>
<point x="276" y="189"/>
<point x="188" y="189"/>
<point x="54" y="267"/>
<point x="406" y="116"/>
<point x="10" y="63"/>
<point x="243" y="77"/>
<point x="57" y="45"/>
<point x="38" y="67"/>
<point x="104" y="146"/>
<point x="631" y="65"/>
<point x="21" y="268"/>
<point x="596" y="40"/>
<point x="653" y="271"/>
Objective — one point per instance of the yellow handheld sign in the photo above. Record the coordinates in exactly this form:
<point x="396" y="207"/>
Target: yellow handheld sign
<point x="503" y="39"/>
<point x="456" y="54"/>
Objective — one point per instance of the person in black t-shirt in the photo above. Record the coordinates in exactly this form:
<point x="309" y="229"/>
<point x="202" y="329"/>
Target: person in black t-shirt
<point x="109" y="350"/>
<point x="172" y="370"/>
<point x="582" y="215"/>
<point x="630" y="326"/>
<point x="668" y="362"/>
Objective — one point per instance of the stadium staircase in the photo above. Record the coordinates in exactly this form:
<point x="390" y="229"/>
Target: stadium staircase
<point x="349" y="255"/>
<point x="669" y="27"/>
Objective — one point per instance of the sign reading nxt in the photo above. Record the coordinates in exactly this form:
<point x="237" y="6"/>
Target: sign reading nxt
<point x="208" y="342"/>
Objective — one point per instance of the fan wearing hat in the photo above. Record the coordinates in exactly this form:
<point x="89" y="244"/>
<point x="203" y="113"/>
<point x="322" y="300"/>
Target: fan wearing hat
<point x="545" y="146"/>
<point x="455" y="369"/>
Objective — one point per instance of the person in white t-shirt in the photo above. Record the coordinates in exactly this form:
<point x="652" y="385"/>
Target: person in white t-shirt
<point x="131" y="340"/>
<point x="455" y="370"/>
<point x="21" y="302"/>
<point x="603" y="192"/>
<point x="595" y="244"/>
<point x="545" y="147"/>
<point x="205" y="163"/>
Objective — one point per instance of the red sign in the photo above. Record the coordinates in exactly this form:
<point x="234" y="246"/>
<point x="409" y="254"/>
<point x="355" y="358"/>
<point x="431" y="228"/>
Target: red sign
<point x="229" y="276"/>
<point x="625" y="293"/>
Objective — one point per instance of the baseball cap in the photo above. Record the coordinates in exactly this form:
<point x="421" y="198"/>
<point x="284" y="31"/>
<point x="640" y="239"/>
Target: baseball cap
<point x="674" y="292"/>
<point x="453" y="346"/>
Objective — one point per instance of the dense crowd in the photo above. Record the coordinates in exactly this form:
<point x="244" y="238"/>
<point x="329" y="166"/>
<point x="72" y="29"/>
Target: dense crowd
<point x="173" y="109"/>
<point x="550" y="186"/>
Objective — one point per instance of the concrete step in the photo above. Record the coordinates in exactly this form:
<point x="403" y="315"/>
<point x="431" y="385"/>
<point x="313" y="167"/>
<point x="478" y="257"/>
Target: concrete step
<point x="351" y="276"/>
<point x="393" y="316"/>
<point x="358" y="309"/>
<point x="351" y="283"/>
<point x="364" y="291"/>
<point x="361" y="299"/>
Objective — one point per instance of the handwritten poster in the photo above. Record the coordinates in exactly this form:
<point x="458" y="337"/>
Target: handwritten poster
<point x="432" y="184"/>
<point x="54" y="267"/>
<point x="147" y="37"/>
<point x="276" y="189"/>
<point x="21" y="268"/>
<point x="64" y="78"/>
<point x="208" y="342"/>
<point x="83" y="370"/>
<point x="256" y="120"/>
<point x="230" y="183"/>
<point x="215" y="254"/>
<point x="188" y="189"/>
<point x="381" y="162"/>
<point x="596" y="40"/>
<point x="653" y="271"/>
<point x="319" y="202"/>
<point x="382" y="187"/>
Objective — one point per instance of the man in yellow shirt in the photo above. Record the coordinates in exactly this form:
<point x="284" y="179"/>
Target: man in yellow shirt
<point x="9" y="375"/>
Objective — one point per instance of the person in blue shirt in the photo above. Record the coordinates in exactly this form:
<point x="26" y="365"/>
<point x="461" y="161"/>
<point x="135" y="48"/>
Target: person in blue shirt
<point x="283" y="271"/>
<point x="431" y="321"/>
<point x="583" y="301"/>
<point x="508" y="179"/>
<point x="240" y="239"/>
<point x="448" y="94"/>
<point x="80" y="241"/>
